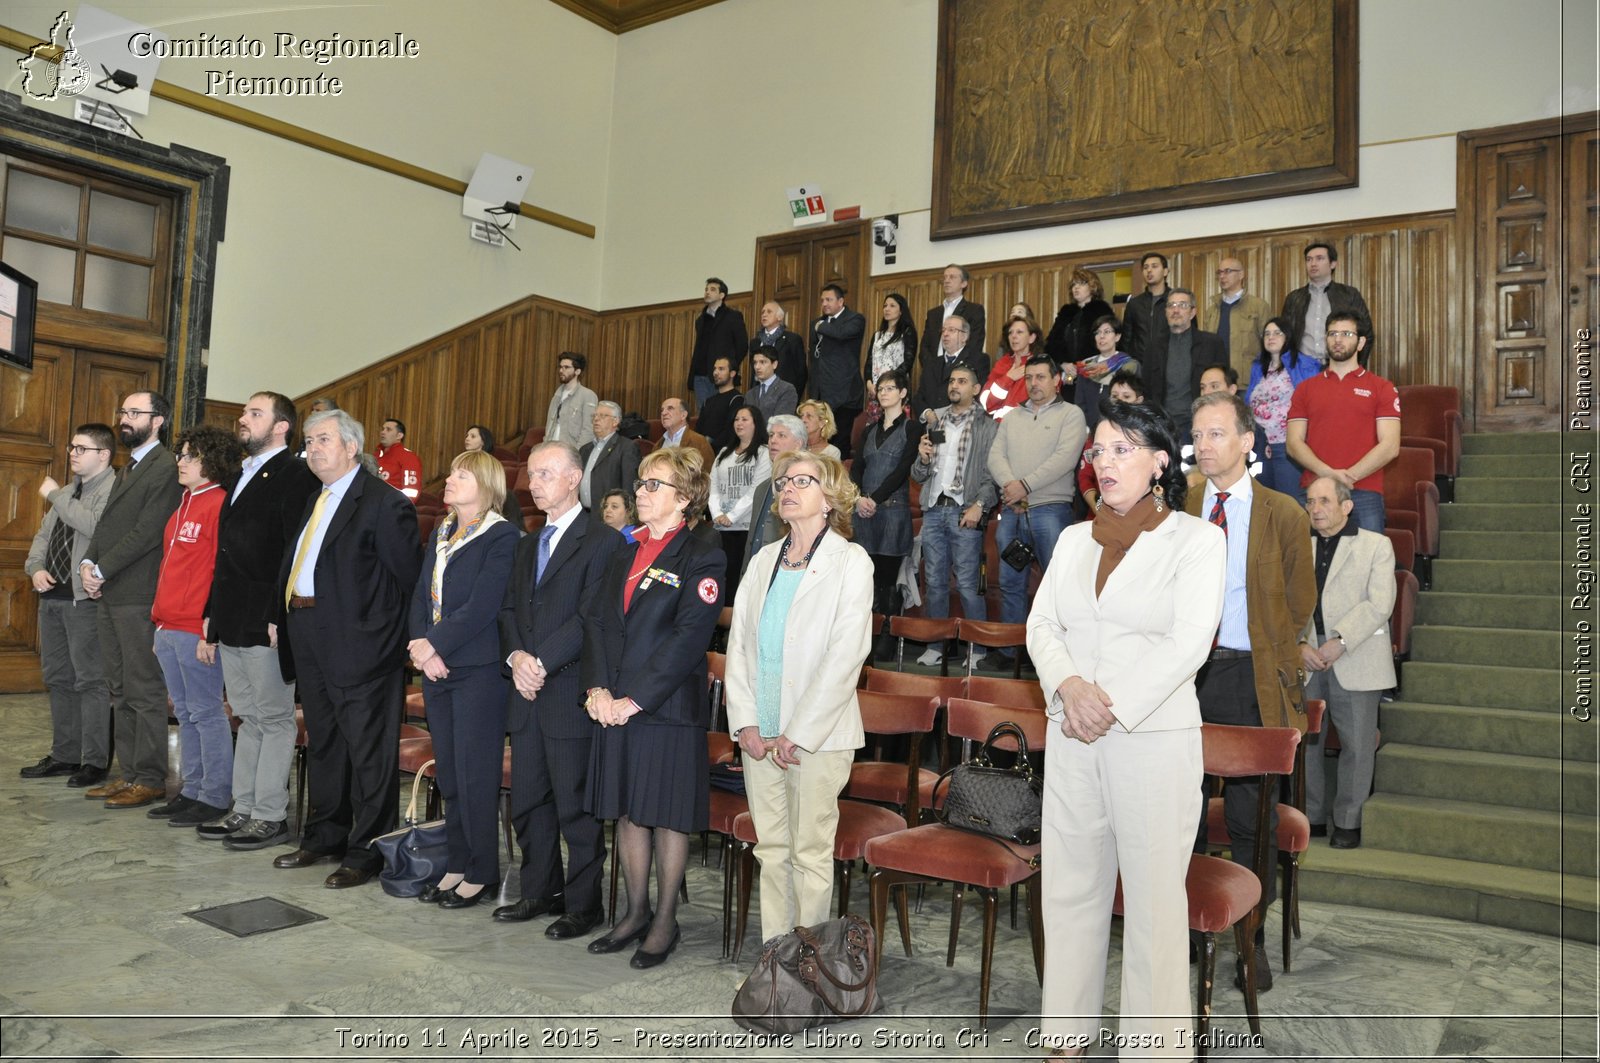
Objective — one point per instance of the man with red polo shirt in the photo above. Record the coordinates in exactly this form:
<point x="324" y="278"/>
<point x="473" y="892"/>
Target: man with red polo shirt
<point x="400" y="468"/>
<point x="1344" y="422"/>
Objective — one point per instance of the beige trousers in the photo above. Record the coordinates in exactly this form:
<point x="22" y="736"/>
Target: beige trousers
<point x="796" y="814"/>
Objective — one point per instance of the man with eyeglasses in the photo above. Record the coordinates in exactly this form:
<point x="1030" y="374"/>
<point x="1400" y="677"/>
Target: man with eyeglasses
<point x="1236" y="316"/>
<point x="69" y="643"/>
<point x="1172" y="373"/>
<point x="609" y="461"/>
<point x="570" y="418"/>
<point x="1344" y="422"/>
<point x="1310" y="308"/>
<point x="785" y="432"/>
<point x="120" y="567"/>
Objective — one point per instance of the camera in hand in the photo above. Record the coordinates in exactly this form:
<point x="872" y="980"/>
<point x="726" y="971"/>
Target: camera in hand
<point x="936" y="436"/>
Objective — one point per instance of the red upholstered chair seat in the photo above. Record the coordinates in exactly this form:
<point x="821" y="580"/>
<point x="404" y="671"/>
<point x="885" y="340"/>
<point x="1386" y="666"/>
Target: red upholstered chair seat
<point x="414" y="753"/>
<point x="726" y="808"/>
<point x="860" y="823"/>
<point x="1294" y="830"/>
<point x="873" y="780"/>
<point x="940" y="852"/>
<point x="1220" y="893"/>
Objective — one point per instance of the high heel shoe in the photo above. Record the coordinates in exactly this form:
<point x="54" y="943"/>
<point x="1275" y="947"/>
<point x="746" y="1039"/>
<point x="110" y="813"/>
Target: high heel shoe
<point x="601" y="946"/>
<point x="643" y="960"/>
<point x="432" y="893"/>
<point x="452" y="898"/>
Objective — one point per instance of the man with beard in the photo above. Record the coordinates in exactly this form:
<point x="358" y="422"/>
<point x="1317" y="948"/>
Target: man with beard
<point x="719" y="332"/>
<point x="571" y="413"/>
<point x="716" y="413"/>
<point x="258" y="520"/>
<point x="120" y="568"/>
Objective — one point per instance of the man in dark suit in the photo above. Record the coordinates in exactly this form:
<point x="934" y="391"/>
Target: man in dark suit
<point x="120" y="568"/>
<point x="955" y="303"/>
<point x="541" y="640"/>
<point x="719" y="332"/>
<point x="955" y="348"/>
<point x="836" y="363"/>
<point x="259" y="519"/>
<point x="609" y="463"/>
<point x="785" y="432"/>
<point x="347" y="578"/>
<point x="770" y="393"/>
<point x="1172" y="374"/>
<point x="789" y="346"/>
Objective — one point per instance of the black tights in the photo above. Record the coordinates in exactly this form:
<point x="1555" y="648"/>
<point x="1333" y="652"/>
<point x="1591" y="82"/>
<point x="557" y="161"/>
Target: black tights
<point x="885" y="576"/>
<point x="634" y="846"/>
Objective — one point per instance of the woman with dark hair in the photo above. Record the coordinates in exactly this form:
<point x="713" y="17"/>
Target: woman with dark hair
<point x="881" y="471"/>
<point x="742" y="465"/>
<point x="1091" y="377"/>
<point x="1273" y="377"/>
<point x="481" y="438"/>
<point x="894" y="347"/>
<point x="1005" y="389"/>
<point x="1125" y="386"/>
<point x="1071" y="337"/>
<point x="1123" y="620"/>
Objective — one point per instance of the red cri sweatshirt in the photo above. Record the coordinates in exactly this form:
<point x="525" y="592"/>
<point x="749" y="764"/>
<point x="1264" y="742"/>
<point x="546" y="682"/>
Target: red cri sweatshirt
<point x="188" y="559"/>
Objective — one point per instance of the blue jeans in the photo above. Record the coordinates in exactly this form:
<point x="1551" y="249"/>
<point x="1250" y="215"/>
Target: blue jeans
<point x="703" y="390"/>
<point x="1040" y="530"/>
<point x="1281" y="474"/>
<point x="205" y="741"/>
<point x="944" y="542"/>
<point x="1369" y="512"/>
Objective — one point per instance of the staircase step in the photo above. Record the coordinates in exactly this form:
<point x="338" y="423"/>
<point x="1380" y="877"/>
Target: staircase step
<point x="1520" y="837"/>
<point x="1525" y="517"/>
<point x="1502" y="577"/>
<point x="1517" y="648"/>
<point x="1497" y="686"/>
<point x="1539" y="902"/>
<point x="1518" y="732"/>
<point x="1500" y="545"/>
<point x="1511" y="490"/>
<point x="1541" y="611"/>
<point x="1511" y="443"/>
<point x="1491" y="778"/>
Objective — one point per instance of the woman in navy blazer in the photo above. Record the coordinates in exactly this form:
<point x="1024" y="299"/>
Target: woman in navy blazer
<point x="646" y="633"/>
<point x="455" y="642"/>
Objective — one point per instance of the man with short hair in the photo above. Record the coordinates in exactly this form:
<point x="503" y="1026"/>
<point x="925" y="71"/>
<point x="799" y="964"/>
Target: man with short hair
<point x="1236" y="316"/>
<point x="1219" y="378"/>
<point x="955" y="348"/>
<point x="69" y="639"/>
<point x="1308" y="308"/>
<point x="715" y="422"/>
<point x="121" y="567"/>
<point x="719" y="332"/>
<point x="1034" y="462"/>
<point x="571" y="414"/>
<point x="1172" y="375"/>
<point x="953" y="284"/>
<point x="770" y="393"/>
<point x="1345" y="421"/>
<point x="346" y="578"/>
<point x="675" y="431"/>
<point x="541" y="640"/>
<point x="789" y="348"/>
<point x="1347" y="649"/>
<point x="609" y="461"/>
<point x="244" y="615"/>
<point x="1144" y="317"/>
<point x="398" y="467"/>
<point x="836" y="363"/>
<point x="1253" y="676"/>
<point x="785" y="432"/>
<point x="957" y="494"/>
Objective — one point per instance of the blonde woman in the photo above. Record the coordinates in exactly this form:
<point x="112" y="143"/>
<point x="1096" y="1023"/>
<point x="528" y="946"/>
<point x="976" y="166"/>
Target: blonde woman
<point x="817" y="416"/>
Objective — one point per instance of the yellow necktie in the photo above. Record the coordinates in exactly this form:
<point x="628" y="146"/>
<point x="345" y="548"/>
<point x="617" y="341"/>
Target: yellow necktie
<point x="305" y="544"/>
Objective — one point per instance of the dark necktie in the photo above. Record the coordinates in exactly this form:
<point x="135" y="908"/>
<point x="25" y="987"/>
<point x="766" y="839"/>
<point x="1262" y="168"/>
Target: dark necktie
<point x="1219" y="517"/>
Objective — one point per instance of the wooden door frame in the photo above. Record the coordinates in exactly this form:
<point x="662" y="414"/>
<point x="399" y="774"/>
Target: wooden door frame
<point x="806" y="235"/>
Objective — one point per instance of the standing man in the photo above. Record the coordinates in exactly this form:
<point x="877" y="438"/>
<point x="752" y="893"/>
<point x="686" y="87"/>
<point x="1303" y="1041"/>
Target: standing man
<point x="245" y="614"/>
<point x="715" y="422"/>
<point x="1172" y="375"/>
<point x="789" y="347"/>
<point x="1034" y="462"/>
<point x="1236" y="316"/>
<point x="1345" y="421"/>
<point x="541" y="637"/>
<point x="1144" y="318"/>
<point x="719" y="332"/>
<point x="347" y="579"/>
<point x="785" y="432"/>
<point x="120" y="568"/>
<point x="1308" y="308"/>
<point x="1349" y="653"/>
<point x="571" y="413"/>
<point x="610" y="461"/>
<point x="953" y="285"/>
<point x="398" y="467"/>
<point x="770" y="393"/>
<point x="958" y="492"/>
<point x="955" y="348"/>
<point x="69" y="640"/>
<point x="1254" y="676"/>
<point x="675" y="431"/>
<point x="836" y="363"/>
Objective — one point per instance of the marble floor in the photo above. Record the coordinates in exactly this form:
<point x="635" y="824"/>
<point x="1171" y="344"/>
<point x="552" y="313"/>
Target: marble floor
<point x="98" y="958"/>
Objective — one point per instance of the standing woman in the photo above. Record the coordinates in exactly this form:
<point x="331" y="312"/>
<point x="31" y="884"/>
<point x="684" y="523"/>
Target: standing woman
<point x="1071" y="337"/>
<point x="455" y="643"/>
<point x="208" y="459"/>
<point x="881" y="473"/>
<point x="894" y="346"/>
<point x="1091" y="377"/>
<point x="801" y="630"/>
<point x="742" y="465"/>
<point x="817" y="416"/>
<point x="644" y="665"/>
<point x="1275" y="374"/>
<point x="1005" y="389"/>
<point x="1123" y="620"/>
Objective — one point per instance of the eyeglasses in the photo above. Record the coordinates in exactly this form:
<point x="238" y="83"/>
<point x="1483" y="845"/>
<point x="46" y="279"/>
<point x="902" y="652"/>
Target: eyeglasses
<point x="134" y="413"/>
<point x="651" y="485"/>
<point x="1115" y="453"/>
<point x="1229" y="269"/>
<point x="1179" y="304"/>
<point x="188" y="456"/>
<point x="1341" y="334"/>
<point x="78" y="452"/>
<point x="800" y="480"/>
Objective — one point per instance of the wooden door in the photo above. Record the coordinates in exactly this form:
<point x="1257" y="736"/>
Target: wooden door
<point x="1583" y="271"/>
<point x="792" y="267"/>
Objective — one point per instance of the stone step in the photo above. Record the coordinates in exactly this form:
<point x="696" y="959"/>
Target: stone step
<point x="1540" y="466"/>
<point x="1502" y="577"/>
<point x="1492" y="778"/>
<point x="1496" y="686"/>
<point x="1518" y="648"/>
<point x="1542" y="611"/>
<point x="1500" y="545"/>
<point x="1526" y="517"/>
<point x="1509" y="490"/>
<point x="1467" y="830"/>
<point x="1518" y="732"/>
<point x="1511" y="443"/>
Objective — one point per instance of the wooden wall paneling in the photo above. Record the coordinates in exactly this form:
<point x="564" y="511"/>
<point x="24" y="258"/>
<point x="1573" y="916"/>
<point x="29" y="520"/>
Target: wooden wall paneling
<point x="19" y="624"/>
<point x="31" y="403"/>
<point x="101" y="380"/>
<point x="224" y="415"/>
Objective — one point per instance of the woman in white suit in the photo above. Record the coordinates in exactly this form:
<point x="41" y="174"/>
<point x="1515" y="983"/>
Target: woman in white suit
<point x="1124" y="618"/>
<point x="801" y="630"/>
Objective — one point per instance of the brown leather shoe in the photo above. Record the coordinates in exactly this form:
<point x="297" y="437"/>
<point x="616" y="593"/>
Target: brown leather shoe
<point x="110" y="789"/>
<point x="346" y="877"/>
<point x="136" y="796"/>
<point x="301" y="858"/>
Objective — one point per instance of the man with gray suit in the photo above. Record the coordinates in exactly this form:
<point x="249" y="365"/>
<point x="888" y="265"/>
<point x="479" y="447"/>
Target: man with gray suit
<point x="570" y="418"/>
<point x="785" y="432"/>
<point x="1348" y="652"/>
<point x="771" y="394"/>
<point x="609" y="461"/>
<point x="120" y="568"/>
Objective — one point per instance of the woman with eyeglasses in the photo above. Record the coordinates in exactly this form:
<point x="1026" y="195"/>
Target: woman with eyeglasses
<point x="1274" y="375"/>
<point x="881" y="473"/>
<point x="646" y="630"/>
<point x="1090" y="377"/>
<point x="801" y="630"/>
<point x="1121" y="624"/>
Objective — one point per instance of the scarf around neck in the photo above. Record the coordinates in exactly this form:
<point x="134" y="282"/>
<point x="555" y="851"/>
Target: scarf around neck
<point x="1116" y="534"/>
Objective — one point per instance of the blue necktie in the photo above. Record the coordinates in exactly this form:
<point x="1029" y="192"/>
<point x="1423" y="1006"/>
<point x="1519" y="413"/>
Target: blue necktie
<point x="544" y="552"/>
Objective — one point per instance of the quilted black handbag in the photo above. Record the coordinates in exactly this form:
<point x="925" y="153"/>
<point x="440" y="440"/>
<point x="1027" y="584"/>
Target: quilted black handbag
<point x="413" y="856"/>
<point x="1003" y="803"/>
<point x="811" y="976"/>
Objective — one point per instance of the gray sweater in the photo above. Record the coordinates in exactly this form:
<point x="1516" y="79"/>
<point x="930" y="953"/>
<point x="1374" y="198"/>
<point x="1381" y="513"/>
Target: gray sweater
<point x="1041" y="448"/>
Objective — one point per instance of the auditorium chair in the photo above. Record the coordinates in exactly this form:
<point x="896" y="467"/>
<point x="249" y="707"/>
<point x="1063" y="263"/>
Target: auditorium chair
<point x="532" y="438"/>
<point x="1430" y="417"/>
<point x="1411" y="502"/>
<point x="1403" y="619"/>
<point x="1405" y="548"/>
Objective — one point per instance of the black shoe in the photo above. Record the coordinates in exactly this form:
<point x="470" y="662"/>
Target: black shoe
<point x="88" y="775"/>
<point x="223" y="828"/>
<point x="47" y="767"/>
<point x="643" y="960"/>
<point x="1345" y="839"/>
<point x="431" y="893"/>
<point x="452" y="899"/>
<point x="301" y="858"/>
<point x="611" y="943"/>
<point x="574" y="924"/>
<point x="1319" y="830"/>
<point x="197" y="813"/>
<point x="173" y="806"/>
<point x="526" y="909"/>
<point x="1263" y="972"/>
<point x="995" y="661"/>
<point x="346" y="877"/>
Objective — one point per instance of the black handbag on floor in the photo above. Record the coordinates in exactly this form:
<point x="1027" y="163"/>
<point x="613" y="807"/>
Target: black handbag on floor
<point x="413" y="856"/>
<point x="1003" y="803"/>
<point x="811" y="976"/>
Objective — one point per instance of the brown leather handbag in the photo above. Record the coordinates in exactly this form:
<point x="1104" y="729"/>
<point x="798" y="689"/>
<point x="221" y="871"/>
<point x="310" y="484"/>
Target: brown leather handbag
<point x="811" y="976"/>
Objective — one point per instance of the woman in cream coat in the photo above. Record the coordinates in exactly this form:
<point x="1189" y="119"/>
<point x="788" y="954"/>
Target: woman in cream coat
<point x="1122" y="622"/>
<point x="801" y="630"/>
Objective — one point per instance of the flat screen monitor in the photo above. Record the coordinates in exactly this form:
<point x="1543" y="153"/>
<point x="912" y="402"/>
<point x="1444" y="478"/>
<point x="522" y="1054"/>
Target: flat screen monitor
<point x="19" y="304"/>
